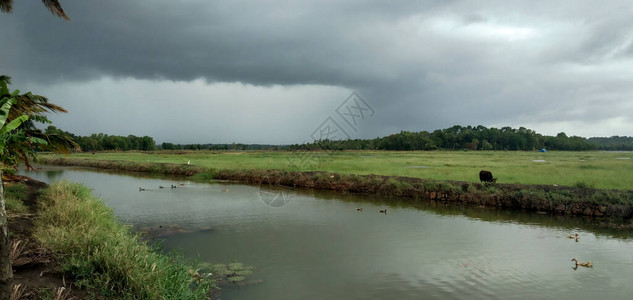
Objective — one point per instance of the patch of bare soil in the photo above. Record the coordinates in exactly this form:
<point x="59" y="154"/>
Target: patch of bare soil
<point x="36" y="272"/>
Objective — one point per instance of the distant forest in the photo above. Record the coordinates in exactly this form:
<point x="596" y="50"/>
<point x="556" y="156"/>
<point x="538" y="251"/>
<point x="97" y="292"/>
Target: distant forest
<point x="476" y="138"/>
<point x="101" y="141"/>
<point x="453" y="138"/>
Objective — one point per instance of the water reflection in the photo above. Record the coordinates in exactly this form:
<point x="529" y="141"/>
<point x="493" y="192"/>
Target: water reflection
<point x="563" y="222"/>
<point x="53" y="175"/>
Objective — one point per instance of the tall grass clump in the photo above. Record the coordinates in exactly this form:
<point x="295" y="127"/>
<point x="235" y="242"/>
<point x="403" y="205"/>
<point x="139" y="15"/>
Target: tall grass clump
<point x="99" y="252"/>
<point x="15" y="194"/>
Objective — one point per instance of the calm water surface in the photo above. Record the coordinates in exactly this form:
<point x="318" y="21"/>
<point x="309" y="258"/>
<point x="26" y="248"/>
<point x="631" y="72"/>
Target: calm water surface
<point x="316" y="245"/>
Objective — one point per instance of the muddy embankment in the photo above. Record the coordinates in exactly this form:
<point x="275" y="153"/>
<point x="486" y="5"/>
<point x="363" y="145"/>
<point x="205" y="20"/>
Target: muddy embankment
<point x="598" y="203"/>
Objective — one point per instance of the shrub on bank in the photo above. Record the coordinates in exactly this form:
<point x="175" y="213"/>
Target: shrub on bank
<point x="101" y="253"/>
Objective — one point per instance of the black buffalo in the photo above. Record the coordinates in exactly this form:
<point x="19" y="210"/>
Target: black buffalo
<point x="486" y="176"/>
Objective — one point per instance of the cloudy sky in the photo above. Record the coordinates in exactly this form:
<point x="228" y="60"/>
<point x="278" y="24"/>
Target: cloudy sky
<point x="205" y="71"/>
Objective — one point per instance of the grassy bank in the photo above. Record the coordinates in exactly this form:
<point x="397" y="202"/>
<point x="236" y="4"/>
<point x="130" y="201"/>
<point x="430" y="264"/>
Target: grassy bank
<point x="99" y="252"/>
<point x="603" y="170"/>
<point x="578" y="200"/>
<point x="15" y="194"/>
<point x="540" y="198"/>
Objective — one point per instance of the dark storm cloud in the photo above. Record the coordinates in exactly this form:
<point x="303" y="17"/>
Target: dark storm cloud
<point x="423" y="65"/>
<point x="255" y="42"/>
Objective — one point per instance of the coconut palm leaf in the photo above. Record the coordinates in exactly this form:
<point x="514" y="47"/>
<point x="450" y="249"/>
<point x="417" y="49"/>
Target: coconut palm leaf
<point x="29" y="139"/>
<point x="27" y="103"/>
<point x="4" y="83"/>
<point x="54" y="142"/>
<point x="33" y="105"/>
<point x="53" y="5"/>
<point x="6" y="6"/>
<point x="56" y="8"/>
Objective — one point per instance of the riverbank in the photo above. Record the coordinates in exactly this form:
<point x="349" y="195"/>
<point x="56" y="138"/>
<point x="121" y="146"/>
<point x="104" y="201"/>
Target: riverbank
<point x="616" y="205"/>
<point x="36" y="269"/>
<point x="69" y="243"/>
<point x="590" y="169"/>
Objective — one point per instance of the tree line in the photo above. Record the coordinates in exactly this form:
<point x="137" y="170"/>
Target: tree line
<point x="614" y="143"/>
<point x="232" y="146"/>
<point x="453" y="138"/>
<point x="473" y="138"/>
<point x="105" y="142"/>
<point x="101" y="141"/>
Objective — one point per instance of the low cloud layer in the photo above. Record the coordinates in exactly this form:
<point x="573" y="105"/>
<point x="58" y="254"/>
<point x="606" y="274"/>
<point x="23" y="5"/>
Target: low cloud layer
<point x="271" y="72"/>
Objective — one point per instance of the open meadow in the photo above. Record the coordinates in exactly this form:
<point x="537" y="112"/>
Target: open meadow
<point x="604" y="170"/>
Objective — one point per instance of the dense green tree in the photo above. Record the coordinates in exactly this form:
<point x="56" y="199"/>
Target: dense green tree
<point x="19" y="141"/>
<point x="9" y="133"/>
<point x="460" y="137"/>
<point x="6" y="272"/>
<point x="614" y="143"/>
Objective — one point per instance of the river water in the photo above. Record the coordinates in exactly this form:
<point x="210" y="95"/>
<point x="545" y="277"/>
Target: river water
<point x="308" y="244"/>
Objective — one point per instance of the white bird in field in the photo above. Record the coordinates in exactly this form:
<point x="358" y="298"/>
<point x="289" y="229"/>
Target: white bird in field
<point x="189" y="161"/>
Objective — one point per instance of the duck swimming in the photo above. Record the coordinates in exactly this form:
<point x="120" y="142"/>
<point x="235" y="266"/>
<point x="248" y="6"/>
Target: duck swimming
<point x="583" y="264"/>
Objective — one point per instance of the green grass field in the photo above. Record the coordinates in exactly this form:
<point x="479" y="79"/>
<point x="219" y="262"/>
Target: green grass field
<point x="605" y="170"/>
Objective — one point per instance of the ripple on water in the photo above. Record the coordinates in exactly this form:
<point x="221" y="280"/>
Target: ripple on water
<point x="501" y="276"/>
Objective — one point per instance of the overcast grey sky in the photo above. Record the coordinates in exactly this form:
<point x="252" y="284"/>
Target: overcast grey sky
<point x="274" y="71"/>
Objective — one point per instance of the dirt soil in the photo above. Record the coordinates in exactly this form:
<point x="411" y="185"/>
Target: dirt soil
<point x="35" y="268"/>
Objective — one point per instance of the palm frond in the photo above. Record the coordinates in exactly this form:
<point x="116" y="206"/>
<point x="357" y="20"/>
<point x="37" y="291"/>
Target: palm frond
<point x="19" y="138"/>
<point x="5" y="78"/>
<point x="56" y="8"/>
<point x="4" y="83"/>
<point x="35" y="104"/>
<point x="59" y="143"/>
<point x="6" y="6"/>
